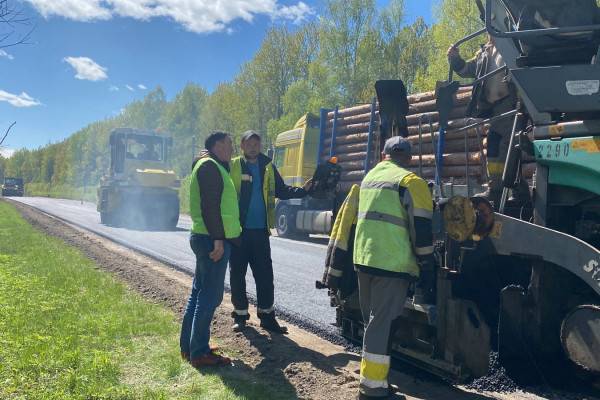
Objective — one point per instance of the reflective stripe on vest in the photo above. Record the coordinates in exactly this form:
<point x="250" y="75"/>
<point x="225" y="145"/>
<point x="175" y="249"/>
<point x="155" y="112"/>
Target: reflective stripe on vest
<point x="268" y="187"/>
<point x="382" y="237"/>
<point x="230" y="213"/>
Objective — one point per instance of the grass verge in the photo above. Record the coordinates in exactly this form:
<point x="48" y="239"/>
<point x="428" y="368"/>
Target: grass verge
<point x="69" y="331"/>
<point x="87" y="193"/>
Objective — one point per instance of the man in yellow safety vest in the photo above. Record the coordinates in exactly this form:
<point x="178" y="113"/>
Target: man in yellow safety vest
<point x="215" y="225"/>
<point x="257" y="183"/>
<point x="393" y="247"/>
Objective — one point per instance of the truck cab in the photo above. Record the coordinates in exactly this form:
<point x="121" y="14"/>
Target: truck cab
<point x="295" y="156"/>
<point x="12" y="187"/>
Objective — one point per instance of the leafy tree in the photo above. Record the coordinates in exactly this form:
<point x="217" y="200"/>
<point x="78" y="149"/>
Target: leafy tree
<point x="346" y="35"/>
<point x="455" y="19"/>
<point x="334" y="60"/>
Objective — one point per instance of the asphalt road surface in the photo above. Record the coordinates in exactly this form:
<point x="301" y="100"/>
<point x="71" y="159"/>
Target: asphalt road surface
<point x="296" y="264"/>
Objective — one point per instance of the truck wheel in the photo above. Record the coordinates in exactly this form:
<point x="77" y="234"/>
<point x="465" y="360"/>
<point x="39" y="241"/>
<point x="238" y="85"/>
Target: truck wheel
<point x="284" y="222"/>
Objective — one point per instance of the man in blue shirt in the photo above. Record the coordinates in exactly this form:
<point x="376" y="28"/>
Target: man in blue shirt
<point x="258" y="183"/>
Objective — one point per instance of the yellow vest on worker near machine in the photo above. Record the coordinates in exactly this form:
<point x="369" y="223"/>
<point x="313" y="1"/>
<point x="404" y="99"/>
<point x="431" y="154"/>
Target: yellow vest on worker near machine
<point x="268" y="187"/>
<point x="382" y="237"/>
<point x="230" y="212"/>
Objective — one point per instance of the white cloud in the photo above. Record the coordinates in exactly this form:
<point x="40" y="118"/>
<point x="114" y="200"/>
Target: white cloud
<point x="113" y="88"/>
<point x="6" y="55"/>
<point x="18" y="100"/>
<point x="6" y="152"/>
<point x="131" y="89"/>
<point x="86" y="68"/>
<point x="79" y="10"/>
<point x="198" y="16"/>
<point x="297" y="13"/>
<point x="141" y="86"/>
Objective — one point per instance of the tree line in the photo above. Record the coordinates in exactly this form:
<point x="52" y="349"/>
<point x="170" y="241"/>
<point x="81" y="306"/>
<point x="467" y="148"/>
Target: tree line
<point x="333" y="60"/>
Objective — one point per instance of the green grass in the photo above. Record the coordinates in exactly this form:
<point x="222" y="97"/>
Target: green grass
<point x="87" y="193"/>
<point x="184" y="195"/>
<point x="69" y="331"/>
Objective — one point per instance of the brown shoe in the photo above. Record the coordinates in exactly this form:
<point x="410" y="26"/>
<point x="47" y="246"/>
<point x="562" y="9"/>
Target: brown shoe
<point x="210" y="360"/>
<point x="186" y="356"/>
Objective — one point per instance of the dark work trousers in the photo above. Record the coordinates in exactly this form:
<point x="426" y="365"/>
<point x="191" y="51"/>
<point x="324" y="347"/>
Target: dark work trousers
<point x="255" y="249"/>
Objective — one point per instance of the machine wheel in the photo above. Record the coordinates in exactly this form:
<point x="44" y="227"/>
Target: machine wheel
<point x="106" y="218"/>
<point x="579" y="337"/>
<point x="172" y="218"/>
<point x="135" y="218"/>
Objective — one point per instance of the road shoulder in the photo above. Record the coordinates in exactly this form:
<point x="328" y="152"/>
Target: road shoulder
<point x="303" y="363"/>
<point x="313" y="367"/>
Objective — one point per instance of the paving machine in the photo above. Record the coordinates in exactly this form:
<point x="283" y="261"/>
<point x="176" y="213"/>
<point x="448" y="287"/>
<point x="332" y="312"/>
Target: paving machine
<point x="523" y="280"/>
<point x="140" y="189"/>
<point x="12" y="187"/>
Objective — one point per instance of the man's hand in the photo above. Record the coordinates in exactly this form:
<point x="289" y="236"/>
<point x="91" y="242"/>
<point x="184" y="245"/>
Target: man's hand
<point x="453" y="52"/>
<point x="217" y="252"/>
<point x="308" y="185"/>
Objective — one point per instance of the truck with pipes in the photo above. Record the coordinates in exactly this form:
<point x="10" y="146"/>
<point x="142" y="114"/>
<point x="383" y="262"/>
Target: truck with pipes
<point x="140" y="190"/>
<point x="520" y="280"/>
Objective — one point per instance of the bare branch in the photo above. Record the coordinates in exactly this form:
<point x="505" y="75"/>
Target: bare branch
<point x="7" y="131"/>
<point x="10" y="18"/>
<point x="23" y="40"/>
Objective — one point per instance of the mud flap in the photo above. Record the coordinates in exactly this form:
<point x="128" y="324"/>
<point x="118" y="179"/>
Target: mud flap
<point x="513" y="350"/>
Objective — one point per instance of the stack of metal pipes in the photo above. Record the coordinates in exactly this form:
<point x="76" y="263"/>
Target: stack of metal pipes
<point x="349" y="130"/>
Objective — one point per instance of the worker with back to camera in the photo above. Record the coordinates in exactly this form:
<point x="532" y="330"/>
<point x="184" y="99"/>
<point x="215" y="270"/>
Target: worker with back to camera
<point x="393" y="247"/>
<point x="258" y="184"/>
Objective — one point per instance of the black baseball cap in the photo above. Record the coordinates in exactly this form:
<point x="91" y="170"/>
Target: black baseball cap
<point x="397" y="144"/>
<point x="250" y="134"/>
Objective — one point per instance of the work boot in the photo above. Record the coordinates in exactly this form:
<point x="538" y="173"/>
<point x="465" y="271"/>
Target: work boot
<point x="239" y="321"/>
<point x="362" y="396"/>
<point x="268" y="322"/>
<point x="393" y="393"/>
<point x="239" y="324"/>
<point x="213" y="349"/>
<point x="210" y="360"/>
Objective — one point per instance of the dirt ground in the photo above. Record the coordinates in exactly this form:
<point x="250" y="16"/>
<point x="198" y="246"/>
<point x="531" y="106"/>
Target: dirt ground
<point x="302" y="362"/>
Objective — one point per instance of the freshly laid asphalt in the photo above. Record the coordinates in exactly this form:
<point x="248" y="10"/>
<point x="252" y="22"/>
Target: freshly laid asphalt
<point x="297" y="265"/>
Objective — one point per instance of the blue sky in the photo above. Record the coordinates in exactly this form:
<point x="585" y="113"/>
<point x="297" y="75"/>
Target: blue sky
<point x="86" y="61"/>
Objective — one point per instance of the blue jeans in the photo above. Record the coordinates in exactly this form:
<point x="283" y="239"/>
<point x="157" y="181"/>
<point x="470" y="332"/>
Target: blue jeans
<point x="207" y="294"/>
